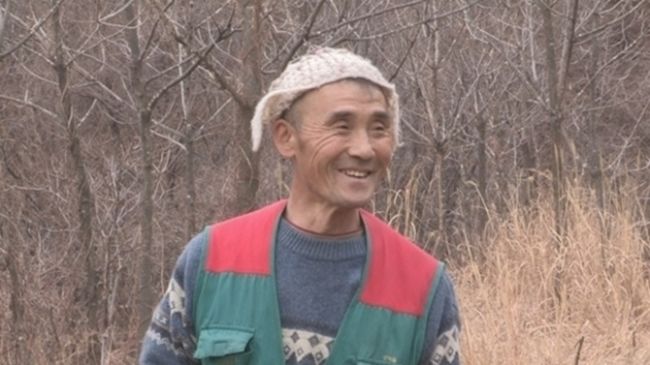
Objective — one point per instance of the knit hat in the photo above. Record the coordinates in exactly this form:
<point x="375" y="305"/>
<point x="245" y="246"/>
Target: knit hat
<point x="318" y="67"/>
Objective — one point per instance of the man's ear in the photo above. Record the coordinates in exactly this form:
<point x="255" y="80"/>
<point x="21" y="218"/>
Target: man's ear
<point x="284" y="137"/>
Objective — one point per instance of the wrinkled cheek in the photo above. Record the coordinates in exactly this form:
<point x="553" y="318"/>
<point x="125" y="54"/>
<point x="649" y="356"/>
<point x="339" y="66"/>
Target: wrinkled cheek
<point x="384" y="154"/>
<point x="385" y="161"/>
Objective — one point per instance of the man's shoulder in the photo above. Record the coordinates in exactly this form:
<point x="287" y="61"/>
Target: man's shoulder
<point x="193" y="251"/>
<point x="396" y="239"/>
<point x="243" y="244"/>
<point x="270" y="211"/>
<point x="400" y="273"/>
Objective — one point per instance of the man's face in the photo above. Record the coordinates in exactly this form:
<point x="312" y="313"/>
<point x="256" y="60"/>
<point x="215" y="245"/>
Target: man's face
<point x="341" y="145"/>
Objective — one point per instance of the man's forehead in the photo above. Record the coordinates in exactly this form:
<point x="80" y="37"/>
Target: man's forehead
<point x="360" y="82"/>
<point x="369" y="87"/>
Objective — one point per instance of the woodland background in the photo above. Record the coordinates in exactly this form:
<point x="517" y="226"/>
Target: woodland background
<point x="525" y="164"/>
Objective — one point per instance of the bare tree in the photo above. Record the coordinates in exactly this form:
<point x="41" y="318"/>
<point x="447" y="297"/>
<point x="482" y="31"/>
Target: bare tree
<point x="4" y="14"/>
<point x="86" y="200"/>
<point x="4" y="19"/>
<point x="145" y="102"/>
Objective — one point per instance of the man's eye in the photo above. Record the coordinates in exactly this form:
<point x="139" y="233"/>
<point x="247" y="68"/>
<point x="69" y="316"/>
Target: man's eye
<point x="379" y="127"/>
<point x="341" y="126"/>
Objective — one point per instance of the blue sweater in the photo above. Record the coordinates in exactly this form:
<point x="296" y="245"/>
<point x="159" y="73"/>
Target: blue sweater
<point x="316" y="278"/>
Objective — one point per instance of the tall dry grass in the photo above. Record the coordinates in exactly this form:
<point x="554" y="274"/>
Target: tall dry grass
<point x="586" y="301"/>
<point x="523" y="302"/>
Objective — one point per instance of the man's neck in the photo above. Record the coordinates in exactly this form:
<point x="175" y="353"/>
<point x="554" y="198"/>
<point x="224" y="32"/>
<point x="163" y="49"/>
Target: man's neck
<point x="323" y="220"/>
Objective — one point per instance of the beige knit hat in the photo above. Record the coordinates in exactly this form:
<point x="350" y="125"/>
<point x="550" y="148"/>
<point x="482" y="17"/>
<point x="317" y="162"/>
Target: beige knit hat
<point x="318" y="67"/>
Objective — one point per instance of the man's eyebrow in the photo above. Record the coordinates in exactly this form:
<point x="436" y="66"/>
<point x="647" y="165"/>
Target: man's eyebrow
<point x="382" y="115"/>
<point x="342" y="114"/>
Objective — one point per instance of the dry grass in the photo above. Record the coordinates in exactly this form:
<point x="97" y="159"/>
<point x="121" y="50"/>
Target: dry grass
<point x="530" y="303"/>
<point x="526" y="302"/>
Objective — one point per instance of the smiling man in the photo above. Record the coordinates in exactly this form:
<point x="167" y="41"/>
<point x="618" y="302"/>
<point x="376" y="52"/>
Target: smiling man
<point x="313" y="279"/>
<point x="340" y="139"/>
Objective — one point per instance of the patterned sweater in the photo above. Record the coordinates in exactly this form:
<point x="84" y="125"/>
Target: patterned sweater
<point x="316" y="280"/>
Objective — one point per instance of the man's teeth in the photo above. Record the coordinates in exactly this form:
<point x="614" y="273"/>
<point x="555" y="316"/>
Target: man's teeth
<point x="355" y="173"/>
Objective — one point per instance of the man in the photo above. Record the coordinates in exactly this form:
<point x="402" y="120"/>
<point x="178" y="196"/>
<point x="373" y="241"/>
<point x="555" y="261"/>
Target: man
<point x="314" y="279"/>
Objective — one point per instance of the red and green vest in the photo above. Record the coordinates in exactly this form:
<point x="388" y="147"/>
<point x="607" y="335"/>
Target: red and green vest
<point x="236" y="311"/>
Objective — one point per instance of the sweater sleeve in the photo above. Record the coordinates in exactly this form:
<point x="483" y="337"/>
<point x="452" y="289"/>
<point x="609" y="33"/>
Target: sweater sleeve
<point x="443" y="327"/>
<point x="170" y="340"/>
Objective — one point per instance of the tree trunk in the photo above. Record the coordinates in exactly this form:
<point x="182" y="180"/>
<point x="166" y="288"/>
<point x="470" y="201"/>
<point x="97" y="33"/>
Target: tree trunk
<point x="21" y="353"/>
<point x="89" y="288"/>
<point x="4" y="16"/>
<point x="555" y="121"/>
<point x="145" y="300"/>
<point x="146" y="292"/>
<point x="529" y="164"/>
<point x="594" y="162"/>
<point x="190" y="183"/>
<point x="439" y="128"/>
<point x="594" y="158"/>
<point x="189" y="133"/>
<point x="246" y="165"/>
<point x="482" y="176"/>
<point x="440" y="202"/>
<point x="245" y="161"/>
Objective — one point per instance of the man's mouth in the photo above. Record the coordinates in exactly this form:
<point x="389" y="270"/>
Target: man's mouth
<point x="357" y="174"/>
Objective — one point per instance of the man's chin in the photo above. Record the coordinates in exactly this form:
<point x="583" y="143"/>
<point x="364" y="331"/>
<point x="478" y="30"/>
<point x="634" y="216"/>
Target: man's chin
<point x="355" y="202"/>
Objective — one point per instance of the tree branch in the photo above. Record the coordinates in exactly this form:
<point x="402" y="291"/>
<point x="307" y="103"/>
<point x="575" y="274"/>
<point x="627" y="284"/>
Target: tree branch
<point x="365" y="16"/>
<point x="149" y="42"/>
<point x="31" y="33"/>
<point x="383" y="34"/>
<point x="498" y="45"/>
<point x="406" y="54"/>
<point x="26" y="102"/>
<point x="567" y="48"/>
<point x="88" y="75"/>
<point x="552" y="72"/>
<point x="167" y="70"/>
<point x="609" y="62"/>
<point x="303" y="36"/>
<point x="387" y="10"/>
<point x="583" y="36"/>
<point x="161" y="92"/>
<point x="236" y="95"/>
<point x="117" y="12"/>
<point x="3" y="16"/>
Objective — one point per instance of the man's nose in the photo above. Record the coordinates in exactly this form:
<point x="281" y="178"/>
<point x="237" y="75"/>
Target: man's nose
<point x="361" y="146"/>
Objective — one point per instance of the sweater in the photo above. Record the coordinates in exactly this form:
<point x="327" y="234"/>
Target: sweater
<point x="316" y="280"/>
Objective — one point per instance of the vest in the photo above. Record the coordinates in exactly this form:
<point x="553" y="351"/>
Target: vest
<point x="236" y="310"/>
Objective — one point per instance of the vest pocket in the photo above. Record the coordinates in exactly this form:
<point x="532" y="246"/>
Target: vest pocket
<point x="224" y="346"/>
